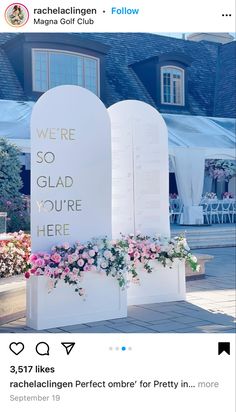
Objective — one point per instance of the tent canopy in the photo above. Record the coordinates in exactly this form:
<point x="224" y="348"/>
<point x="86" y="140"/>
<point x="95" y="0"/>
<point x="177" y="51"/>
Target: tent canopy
<point x="185" y="131"/>
<point x="214" y="136"/>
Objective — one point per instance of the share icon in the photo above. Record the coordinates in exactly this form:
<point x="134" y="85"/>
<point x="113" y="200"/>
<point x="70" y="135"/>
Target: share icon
<point x="68" y="346"/>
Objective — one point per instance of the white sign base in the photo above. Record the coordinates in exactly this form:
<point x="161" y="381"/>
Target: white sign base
<point x="63" y="306"/>
<point x="162" y="285"/>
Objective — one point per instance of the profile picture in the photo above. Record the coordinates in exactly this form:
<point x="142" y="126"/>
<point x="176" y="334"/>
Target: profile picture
<point x="16" y="15"/>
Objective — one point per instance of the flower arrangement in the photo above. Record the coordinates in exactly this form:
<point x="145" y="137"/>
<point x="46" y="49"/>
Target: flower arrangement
<point x="227" y="195"/>
<point x="14" y="254"/>
<point x="210" y="195"/>
<point x="220" y="170"/>
<point x="112" y="258"/>
<point x="146" y="250"/>
<point x="69" y="263"/>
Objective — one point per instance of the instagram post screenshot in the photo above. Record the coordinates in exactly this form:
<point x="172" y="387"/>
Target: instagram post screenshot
<point x="117" y="205"/>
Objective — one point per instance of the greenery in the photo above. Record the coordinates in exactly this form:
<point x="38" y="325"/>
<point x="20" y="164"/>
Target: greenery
<point x="11" y="200"/>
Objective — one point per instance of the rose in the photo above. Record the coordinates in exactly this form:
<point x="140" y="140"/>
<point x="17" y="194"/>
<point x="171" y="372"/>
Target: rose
<point x="46" y="256"/>
<point x="107" y="254"/>
<point x="85" y="255"/>
<point x="56" y="258"/>
<point x="104" y="264"/>
<point x="136" y="255"/>
<point x="40" y="262"/>
<point x="91" y="253"/>
<point x="33" y="258"/>
<point x="81" y="262"/>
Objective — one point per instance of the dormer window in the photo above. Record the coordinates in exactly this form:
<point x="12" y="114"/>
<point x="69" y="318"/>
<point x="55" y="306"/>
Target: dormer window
<point x="172" y="85"/>
<point x="53" y="68"/>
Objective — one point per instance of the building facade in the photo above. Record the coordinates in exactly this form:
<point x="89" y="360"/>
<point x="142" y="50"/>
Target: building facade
<point x="194" y="77"/>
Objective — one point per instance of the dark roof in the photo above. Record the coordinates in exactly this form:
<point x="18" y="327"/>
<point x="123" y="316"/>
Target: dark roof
<point x="211" y="74"/>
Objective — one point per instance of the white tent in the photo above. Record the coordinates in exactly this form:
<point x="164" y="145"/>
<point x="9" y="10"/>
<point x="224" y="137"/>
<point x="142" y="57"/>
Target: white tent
<point x="192" y="139"/>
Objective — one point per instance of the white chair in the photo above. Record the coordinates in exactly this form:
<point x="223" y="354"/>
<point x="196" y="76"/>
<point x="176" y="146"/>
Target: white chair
<point x="177" y="210"/>
<point x="214" y="212"/>
<point x="225" y="211"/>
<point x="206" y="212"/>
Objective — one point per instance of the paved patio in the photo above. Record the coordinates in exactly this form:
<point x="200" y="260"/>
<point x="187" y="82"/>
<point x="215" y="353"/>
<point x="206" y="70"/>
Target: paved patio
<point x="210" y="307"/>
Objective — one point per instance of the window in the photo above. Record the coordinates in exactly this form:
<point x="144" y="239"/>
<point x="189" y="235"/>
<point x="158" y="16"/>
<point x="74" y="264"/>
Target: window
<point x="54" y="68"/>
<point x="172" y="85"/>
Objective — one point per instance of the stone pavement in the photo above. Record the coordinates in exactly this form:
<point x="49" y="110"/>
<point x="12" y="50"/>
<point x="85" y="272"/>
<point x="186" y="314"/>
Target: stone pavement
<point x="210" y="307"/>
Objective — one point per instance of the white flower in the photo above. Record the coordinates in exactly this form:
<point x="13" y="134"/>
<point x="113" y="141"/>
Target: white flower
<point x="107" y="254"/>
<point x="104" y="264"/>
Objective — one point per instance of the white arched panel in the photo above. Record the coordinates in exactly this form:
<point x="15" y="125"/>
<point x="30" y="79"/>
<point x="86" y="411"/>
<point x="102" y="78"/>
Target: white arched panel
<point x="140" y="185"/>
<point x="71" y="168"/>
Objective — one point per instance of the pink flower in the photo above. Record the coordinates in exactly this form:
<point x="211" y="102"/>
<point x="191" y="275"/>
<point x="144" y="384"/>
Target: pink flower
<point x="92" y="253"/>
<point x="48" y="271"/>
<point x="74" y="277"/>
<point x="27" y="275"/>
<point x="136" y="255"/>
<point x="57" y="272"/>
<point x="85" y="255"/>
<point x="46" y="256"/>
<point x="39" y="272"/>
<point x="70" y="259"/>
<point x="66" y="246"/>
<point x="81" y="263"/>
<point x="33" y="258"/>
<point x="56" y="258"/>
<point x="153" y="247"/>
<point x="90" y="261"/>
<point x="40" y="262"/>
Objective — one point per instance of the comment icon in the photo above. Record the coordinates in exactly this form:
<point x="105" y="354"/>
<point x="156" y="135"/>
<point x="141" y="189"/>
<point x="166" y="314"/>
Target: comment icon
<point x="42" y="348"/>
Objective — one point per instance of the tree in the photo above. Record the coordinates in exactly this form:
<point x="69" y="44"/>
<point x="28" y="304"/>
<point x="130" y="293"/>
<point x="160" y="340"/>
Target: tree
<point x="10" y="168"/>
<point x="11" y="200"/>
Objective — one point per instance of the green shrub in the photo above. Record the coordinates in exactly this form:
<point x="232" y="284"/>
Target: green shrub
<point x="11" y="200"/>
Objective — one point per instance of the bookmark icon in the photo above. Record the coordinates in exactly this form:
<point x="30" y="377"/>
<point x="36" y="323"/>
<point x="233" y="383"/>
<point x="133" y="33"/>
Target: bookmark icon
<point x="223" y="347"/>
